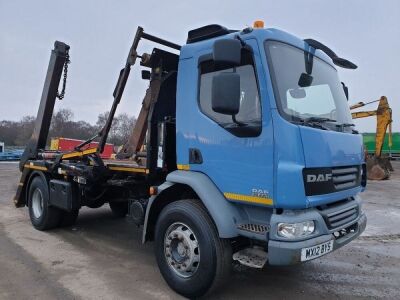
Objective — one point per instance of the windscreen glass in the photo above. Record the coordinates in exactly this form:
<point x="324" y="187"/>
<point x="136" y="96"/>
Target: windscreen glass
<point x="305" y="86"/>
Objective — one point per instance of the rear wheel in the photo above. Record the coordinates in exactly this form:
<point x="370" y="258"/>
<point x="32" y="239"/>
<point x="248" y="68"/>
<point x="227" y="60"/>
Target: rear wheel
<point x="119" y="209"/>
<point x="43" y="216"/>
<point x="192" y="258"/>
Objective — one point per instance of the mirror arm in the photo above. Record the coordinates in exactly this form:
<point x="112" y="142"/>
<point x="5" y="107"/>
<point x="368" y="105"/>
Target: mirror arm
<point x="237" y="122"/>
<point x="319" y="46"/>
<point x="240" y="40"/>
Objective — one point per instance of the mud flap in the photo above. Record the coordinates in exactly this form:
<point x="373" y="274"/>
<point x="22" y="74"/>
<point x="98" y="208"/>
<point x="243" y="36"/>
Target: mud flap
<point x="19" y="199"/>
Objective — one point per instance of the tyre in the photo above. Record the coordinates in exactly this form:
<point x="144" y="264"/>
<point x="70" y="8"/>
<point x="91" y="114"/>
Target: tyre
<point x="192" y="258"/>
<point x="119" y="209"/>
<point x="69" y="218"/>
<point x="43" y="216"/>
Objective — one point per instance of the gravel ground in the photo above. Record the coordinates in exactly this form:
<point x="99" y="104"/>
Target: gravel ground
<point x="103" y="258"/>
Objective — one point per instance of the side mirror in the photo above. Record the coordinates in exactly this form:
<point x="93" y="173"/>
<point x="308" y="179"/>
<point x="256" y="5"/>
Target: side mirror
<point x="346" y="90"/>
<point x="225" y="93"/>
<point x="227" y="52"/>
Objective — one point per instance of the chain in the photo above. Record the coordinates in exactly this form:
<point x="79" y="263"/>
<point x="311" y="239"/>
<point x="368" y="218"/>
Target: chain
<point x="67" y="61"/>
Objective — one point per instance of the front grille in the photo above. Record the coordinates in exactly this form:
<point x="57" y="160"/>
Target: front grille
<point x="345" y="177"/>
<point x="325" y="180"/>
<point x="339" y="214"/>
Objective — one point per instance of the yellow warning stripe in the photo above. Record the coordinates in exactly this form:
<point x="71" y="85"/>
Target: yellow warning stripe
<point x="129" y="169"/>
<point x="183" y="167"/>
<point x="33" y="167"/>
<point x="79" y="153"/>
<point x="246" y="198"/>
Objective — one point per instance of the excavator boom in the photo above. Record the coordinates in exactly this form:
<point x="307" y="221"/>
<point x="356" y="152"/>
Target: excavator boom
<point x="377" y="166"/>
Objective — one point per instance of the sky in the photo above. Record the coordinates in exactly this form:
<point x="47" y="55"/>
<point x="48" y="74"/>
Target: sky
<point x="100" y="33"/>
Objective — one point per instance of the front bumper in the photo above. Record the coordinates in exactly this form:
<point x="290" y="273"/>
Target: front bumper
<point x="288" y="253"/>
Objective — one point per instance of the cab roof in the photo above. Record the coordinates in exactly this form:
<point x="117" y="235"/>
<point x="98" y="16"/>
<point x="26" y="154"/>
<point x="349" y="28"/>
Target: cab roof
<point x="202" y="38"/>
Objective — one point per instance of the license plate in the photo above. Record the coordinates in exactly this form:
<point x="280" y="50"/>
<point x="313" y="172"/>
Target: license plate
<point x="316" y="251"/>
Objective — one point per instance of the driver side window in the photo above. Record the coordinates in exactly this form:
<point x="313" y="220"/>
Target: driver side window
<point x="250" y="106"/>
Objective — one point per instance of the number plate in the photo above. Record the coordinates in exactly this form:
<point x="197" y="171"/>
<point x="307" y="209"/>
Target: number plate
<point x="316" y="251"/>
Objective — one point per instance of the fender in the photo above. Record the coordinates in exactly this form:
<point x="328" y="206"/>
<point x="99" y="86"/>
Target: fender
<point x="224" y="213"/>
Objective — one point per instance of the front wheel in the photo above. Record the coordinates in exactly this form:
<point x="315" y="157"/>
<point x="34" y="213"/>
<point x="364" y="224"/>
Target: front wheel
<point x="192" y="258"/>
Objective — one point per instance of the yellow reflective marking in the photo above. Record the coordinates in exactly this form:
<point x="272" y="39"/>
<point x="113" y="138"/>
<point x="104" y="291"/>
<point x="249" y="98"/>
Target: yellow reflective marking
<point x="32" y="166"/>
<point x="129" y="169"/>
<point x="183" y="167"/>
<point x="246" y="198"/>
<point x="79" y="153"/>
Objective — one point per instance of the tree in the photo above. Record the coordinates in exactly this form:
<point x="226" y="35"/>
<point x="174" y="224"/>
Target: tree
<point x="62" y="125"/>
<point x="25" y="130"/>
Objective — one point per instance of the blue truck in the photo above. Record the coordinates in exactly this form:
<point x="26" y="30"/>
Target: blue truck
<point x="243" y="152"/>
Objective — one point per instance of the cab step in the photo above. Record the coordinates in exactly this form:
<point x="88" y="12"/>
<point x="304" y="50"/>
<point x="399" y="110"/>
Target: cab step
<point x="253" y="257"/>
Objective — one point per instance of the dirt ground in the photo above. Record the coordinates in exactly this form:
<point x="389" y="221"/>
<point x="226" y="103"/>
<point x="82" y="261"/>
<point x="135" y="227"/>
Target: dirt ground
<point x="103" y="258"/>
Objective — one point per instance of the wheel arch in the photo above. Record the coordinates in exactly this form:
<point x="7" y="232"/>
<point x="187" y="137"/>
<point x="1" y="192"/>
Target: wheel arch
<point x="192" y="185"/>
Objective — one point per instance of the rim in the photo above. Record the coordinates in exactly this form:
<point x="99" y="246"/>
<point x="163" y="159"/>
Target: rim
<point x="37" y="203"/>
<point x="181" y="250"/>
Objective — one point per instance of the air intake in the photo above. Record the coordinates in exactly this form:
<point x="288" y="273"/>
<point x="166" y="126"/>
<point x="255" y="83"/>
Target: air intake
<point x="255" y="228"/>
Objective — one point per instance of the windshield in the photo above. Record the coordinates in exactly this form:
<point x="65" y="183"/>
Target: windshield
<point x="306" y="87"/>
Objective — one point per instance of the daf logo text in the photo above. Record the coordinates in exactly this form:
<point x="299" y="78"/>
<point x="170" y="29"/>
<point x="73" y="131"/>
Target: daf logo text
<point x="319" y="177"/>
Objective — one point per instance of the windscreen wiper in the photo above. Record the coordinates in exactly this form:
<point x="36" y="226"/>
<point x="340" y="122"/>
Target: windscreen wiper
<point x="342" y="126"/>
<point x="346" y="125"/>
<point x="318" y="119"/>
<point x="314" y="122"/>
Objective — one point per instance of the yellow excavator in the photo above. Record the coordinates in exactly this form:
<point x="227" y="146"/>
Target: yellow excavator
<point x="378" y="167"/>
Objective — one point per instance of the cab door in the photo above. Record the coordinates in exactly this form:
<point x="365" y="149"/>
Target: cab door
<point x="237" y="154"/>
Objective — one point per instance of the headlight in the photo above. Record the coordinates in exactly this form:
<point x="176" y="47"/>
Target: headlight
<point x="296" y="230"/>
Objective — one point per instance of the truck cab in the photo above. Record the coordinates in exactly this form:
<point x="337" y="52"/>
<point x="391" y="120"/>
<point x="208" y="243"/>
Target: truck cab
<point x="243" y="151"/>
<point x="290" y="163"/>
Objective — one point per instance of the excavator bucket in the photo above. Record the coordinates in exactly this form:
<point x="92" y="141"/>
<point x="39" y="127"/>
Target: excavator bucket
<point x="378" y="168"/>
